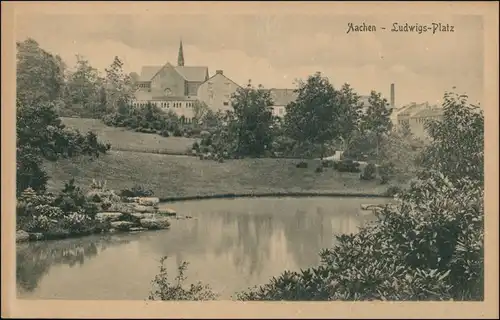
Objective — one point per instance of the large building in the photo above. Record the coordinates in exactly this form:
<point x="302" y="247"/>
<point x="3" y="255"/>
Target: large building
<point x="416" y="115"/>
<point x="216" y="91"/>
<point x="281" y="98"/>
<point x="171" y="87"/>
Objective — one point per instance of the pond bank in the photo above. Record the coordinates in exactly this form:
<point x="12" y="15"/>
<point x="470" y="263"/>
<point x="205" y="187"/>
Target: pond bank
<point x="276" y="195"/>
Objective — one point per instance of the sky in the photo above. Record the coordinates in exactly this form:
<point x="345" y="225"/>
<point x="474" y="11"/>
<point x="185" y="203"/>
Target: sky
<point x="274" y="50"/>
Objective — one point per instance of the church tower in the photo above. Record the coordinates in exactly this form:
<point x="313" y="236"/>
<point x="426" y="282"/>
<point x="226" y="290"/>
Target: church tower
<point x="180" y="57"/>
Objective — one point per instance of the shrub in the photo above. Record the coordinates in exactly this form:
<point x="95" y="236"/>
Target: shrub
<point x="165" y="290"/>
<point x="177" y="132"/>
<point x="346" y="165"/>
<point x="164" y="133"/>
<point x="429" y="246"/>
<point x="386" y="171"/>
<point x="196" y="146"/>
<point x="301" y="165"/>
<point x="392" y="191"/>
<point x="137" y="191"/>
<point x="369" y="172"/>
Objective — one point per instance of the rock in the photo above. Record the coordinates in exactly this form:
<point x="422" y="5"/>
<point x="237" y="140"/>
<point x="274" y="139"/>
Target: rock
<point x="108" y="216"/>
<point x="143" y="209"/>
<point x="137" y="229"/>
<point x="36" y="236"/>
<point x="122" y="225"/>
<point x="149" y="201"/>
<point x="131" y="199"/>
<point x="155" y="223"/>
<point x="167" y="212"/>
<point x="22" y="236"/>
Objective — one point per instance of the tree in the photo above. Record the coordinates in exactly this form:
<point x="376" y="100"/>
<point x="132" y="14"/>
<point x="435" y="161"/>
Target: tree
<point x="377" y="120"/>
<point x="313" y="118"/>
<point x="457" y="141"/>
<point x="350" y="113"/>
<point x="200" y="110"/>
<point x="253" y="115"/>
<point x="84" y="89"/>
<point x="39" y="74"/>
<point x="118" y="85"/>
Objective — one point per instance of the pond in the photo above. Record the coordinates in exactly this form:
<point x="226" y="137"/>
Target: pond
<point x="230" y="244"/>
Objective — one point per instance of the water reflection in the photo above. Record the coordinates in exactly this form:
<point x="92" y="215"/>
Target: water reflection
<point x="34" y="260"/>
<point x="230" y="245"/>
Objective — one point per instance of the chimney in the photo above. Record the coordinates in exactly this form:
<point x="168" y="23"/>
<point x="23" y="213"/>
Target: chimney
<point x="219" y="72"/>
<point x="392" y="96"/>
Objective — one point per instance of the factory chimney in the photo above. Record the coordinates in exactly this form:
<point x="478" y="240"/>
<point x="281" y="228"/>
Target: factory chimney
<point x="392" y="96"/>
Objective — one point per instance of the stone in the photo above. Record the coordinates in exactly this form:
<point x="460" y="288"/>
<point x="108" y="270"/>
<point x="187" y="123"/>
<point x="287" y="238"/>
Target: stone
<point x="155" y="223"/>
<point x="149" y="201"/>
<point x="143" y="209"/>
<point x="22" y="236"/>
<point x="137" y="229"/>
<point x="108" y="216"/>
<point x="36" y="236"/>
<point x="122" y="225"/>
<point x="167" y="212"/>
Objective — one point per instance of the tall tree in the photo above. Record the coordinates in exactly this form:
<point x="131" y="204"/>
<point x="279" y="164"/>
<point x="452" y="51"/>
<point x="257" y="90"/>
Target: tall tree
<point x="376" y="121"/>
<point x="84" y="89"/>
<point x="253" y="115"/>
<point x="200" y="110"/>
<point x="118" y="85"/>
<point x="39" y="74"/>
<point x="457" y="140"/>
<point x="313" y="118"/>
<point x="349" y="115"/>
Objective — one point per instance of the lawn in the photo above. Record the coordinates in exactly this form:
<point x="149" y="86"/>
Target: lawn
<point x="127" y="140"/>
<point x="177" y="176"/>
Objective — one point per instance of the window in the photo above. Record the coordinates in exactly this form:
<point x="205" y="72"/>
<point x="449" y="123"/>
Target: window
<point x="226" y="103"/>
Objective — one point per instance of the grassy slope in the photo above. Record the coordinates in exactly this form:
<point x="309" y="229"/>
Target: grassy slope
<point x="127" y="140"/>
<point x="170" y="176"/>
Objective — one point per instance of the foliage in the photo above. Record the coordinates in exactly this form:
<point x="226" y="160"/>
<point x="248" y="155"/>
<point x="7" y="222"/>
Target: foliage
<point x="137" y="191"/>
<point x="147" y="119"/>
<point x="457" y="141"/>
<point x="119" y="87"/>
<point x="200" y="111"/>
<point x="369" y="172"/>
<point x="39" y="74"/>
<point x="399" y="152"/>
<point x="346" y="165"/>
<point x="68" y="212"/>
<point x="85" y="92"/>
<point x="427" y="247"/>
<point x="251" y="121"/>
<point x="349" y="115"/>
<point x="41" y="135"/>
<point x="311" y="119"/>
<point x="165" y="290"/>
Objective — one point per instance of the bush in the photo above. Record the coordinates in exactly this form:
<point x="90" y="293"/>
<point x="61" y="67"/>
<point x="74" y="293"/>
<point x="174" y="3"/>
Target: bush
<point x="369" y="172"/>
<point x="177" y="132"/>
<point x="429" y="246"/>
<point x="164" y="290"/>
<point x="346" y="166"/>
<point x="196" y="146"/>
<point x="386" y="171"/>
<point x="393" y="191"/>
<point x="164" y="133"/>
<point x="302" y="165"/>
<point x="137" y="191"/>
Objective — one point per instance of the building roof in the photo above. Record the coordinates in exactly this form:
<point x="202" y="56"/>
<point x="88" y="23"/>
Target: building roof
<point x="192" y="74"/>
<point x="195" y="74"/>
<point x="429" y="112"/>
<point x="148" y="72"/>
<point x="282" y="97"/>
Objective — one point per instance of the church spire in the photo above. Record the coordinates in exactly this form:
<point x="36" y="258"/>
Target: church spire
<point x="180" y="57"/>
